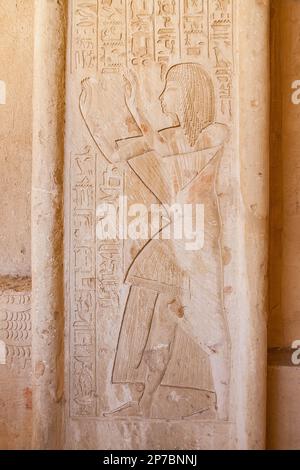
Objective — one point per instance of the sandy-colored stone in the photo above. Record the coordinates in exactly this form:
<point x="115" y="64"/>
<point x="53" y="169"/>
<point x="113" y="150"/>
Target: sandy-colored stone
<point x="16" y="58"/>
<point x="47" y="223"/>
<point x="167" y="102"/>
<point x="15" y="364"/>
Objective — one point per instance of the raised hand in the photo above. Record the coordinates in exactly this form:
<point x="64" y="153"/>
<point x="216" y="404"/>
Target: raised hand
<point x="131" y="91"/>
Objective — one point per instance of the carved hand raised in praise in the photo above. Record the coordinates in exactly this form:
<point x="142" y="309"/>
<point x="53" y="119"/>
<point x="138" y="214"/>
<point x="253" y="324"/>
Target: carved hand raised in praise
<point x="132" y="94"/>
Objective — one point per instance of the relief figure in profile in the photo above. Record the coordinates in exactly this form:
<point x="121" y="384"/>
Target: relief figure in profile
<point x="173" y="289"/>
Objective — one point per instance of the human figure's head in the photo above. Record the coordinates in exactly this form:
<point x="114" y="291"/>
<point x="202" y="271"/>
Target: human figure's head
<point x="189" y="94"/>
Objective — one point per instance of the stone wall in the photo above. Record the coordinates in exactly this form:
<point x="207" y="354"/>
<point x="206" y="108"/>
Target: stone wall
<point x="16" y="74"/>
<point x="16" y="58"/>
<point x="15" y="363"/>
<point x="82" y="385"/>
<point x="167" y="103"/>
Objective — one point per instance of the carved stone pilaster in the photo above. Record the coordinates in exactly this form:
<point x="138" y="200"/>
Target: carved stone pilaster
<point x="47" y="222"/>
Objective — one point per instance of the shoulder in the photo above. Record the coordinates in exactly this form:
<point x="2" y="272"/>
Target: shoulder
<point x="170" y="133"/>
<point x="216" y="134"/>
<point x="175" y="140"/>
<point x="170" y="141"/>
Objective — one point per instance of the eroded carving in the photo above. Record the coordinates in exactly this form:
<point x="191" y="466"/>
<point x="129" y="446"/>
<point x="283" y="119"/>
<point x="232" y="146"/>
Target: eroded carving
<point x="173" y="289"/>
<point x="15" y="328"/>
<point x="150" y="325"/>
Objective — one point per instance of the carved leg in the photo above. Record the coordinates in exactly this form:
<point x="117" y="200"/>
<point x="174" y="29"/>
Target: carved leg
<point x="209" y="329"/>
<point x="135" y="330"/>
<point x="158" y="350"/>
<point x="157" y="361"/>
<point x="130" y="367"/>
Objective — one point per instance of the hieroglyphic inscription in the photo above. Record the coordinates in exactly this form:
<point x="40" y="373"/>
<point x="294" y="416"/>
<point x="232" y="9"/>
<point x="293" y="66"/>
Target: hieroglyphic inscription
<point x="194" y="29"/>
<point x="83" y="311"/>
<point x="221" y="44"/>
<point x="85" y="35"/>
<point x="112" y="35"/>
<point x="109" y="254"/>
<point x="166" y="32"/>
<point x="115" y="36"/>
<point x="141" y="32"/>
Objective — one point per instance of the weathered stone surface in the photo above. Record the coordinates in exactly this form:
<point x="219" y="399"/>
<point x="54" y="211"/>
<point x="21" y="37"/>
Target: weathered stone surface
<point x="15" y="363"/>
<point x="47" y="223"/>
<point x="162" y="342"/>
<point x="16" y="57"/>
<point x="167" y="102"/>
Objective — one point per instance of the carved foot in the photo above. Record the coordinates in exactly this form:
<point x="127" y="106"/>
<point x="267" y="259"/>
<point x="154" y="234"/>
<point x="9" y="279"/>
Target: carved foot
<point x="128" y="409"/>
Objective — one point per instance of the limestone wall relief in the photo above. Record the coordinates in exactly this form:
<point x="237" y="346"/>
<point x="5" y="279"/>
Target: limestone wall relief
<point x="152" y="119"/>
<point x="162" y="341"/>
